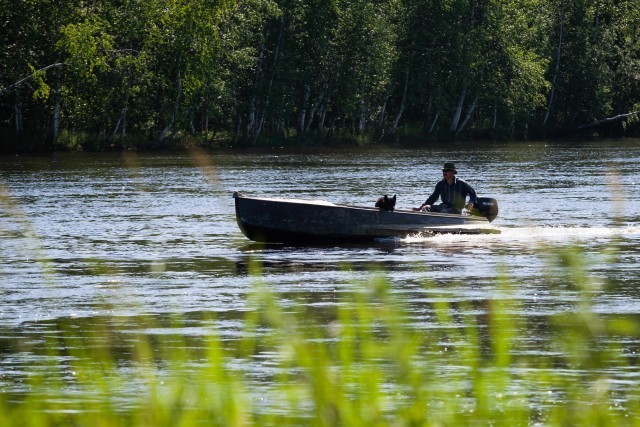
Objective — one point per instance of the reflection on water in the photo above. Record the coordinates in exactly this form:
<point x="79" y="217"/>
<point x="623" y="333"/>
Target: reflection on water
<point x="89" y="238"/>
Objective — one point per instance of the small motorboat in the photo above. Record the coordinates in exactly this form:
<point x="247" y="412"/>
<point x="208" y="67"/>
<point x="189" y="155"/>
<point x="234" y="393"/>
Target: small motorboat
<point x="275" y="220"/>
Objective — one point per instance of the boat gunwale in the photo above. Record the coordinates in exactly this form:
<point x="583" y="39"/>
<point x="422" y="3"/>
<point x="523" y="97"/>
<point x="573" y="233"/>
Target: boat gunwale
<point x="322" y="203"/>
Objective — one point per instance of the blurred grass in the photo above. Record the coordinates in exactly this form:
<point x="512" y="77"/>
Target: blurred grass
<point x="368" y="361"/>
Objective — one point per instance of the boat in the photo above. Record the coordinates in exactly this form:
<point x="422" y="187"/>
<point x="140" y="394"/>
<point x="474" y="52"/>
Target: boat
<point x="280" y="220"/>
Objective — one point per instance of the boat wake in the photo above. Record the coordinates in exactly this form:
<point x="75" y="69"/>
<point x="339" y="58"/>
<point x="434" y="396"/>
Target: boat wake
<point x="532" y="235"/>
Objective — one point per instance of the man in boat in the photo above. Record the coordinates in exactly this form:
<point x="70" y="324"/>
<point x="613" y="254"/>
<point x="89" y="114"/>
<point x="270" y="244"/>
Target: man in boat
<point x="453" y="191"/>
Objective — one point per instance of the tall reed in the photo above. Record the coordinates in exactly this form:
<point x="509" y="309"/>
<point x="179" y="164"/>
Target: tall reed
<point x="375" y="358"/>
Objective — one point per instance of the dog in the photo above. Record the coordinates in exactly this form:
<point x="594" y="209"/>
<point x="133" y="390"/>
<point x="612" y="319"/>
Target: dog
<point x="386" y="203"/>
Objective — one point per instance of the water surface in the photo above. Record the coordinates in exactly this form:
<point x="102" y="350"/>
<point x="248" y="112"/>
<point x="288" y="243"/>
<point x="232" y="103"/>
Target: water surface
<point x="147" y="235"/>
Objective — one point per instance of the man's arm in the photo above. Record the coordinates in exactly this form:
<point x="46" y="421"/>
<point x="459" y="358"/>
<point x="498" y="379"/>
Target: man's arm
<point x="432" y="198"/>
<point x="473" y="197"/>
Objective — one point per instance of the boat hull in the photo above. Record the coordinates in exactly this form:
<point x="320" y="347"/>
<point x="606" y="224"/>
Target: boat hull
<point x="273" y="220"/>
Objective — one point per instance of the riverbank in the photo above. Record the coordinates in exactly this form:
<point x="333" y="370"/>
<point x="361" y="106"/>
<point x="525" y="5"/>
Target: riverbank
<point x="91" y="143"/>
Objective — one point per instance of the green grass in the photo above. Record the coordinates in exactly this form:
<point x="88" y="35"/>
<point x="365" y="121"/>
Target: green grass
<point x="372" y="359"/>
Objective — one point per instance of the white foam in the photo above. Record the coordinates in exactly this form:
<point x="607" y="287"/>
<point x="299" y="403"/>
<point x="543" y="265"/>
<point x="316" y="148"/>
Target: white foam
<point x="531" y="235"/>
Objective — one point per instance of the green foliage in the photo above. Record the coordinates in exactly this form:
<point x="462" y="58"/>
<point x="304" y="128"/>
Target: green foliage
<point x="86" y="46"/>
<point x="633" y="119"/>
<point x="43" y="90"/>
<point x="316" y="70"/>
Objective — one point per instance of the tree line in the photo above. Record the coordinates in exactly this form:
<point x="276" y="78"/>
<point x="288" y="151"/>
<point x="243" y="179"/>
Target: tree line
<point x="97" y="74"/>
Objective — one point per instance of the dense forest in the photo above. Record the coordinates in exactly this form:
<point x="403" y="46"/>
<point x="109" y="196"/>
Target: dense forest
<point x="111" y="74"/>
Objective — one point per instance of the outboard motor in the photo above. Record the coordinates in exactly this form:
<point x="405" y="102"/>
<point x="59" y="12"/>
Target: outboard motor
<point x="487" y="207"/>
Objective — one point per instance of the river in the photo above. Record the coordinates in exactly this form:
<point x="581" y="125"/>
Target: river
<point x="87" y="235"/>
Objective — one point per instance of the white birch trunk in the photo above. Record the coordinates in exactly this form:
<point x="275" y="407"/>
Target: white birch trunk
<point x="55" y="122"/>
<point x="116" y="128"/>
<point x="265" y="108"/>
<point x="302" y="116"/>
<point x="383" y="111"/>
<point x="205" y="124"/>
<point x="557" y="68"/>
<point x="17" y="109"/>
<point x="458" y="112"/>
<point x="312" y="113"/>
<point x="123" y="132"/>
<point x="396" y="122"/>
<point x="250" y="129"/>
<point x="251" y="117"/>
<point x="362" y="120"/>
<point x="176" y="106"/>
<point x="468" y="116"/>
<point x="433" y="123"/>
<point x="323" y="116"/>
<point x="121" y="119"/>
<point x="495" y="118"/>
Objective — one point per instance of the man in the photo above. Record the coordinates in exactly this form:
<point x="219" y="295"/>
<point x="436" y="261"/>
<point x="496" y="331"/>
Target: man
<point x="453" y="192"/>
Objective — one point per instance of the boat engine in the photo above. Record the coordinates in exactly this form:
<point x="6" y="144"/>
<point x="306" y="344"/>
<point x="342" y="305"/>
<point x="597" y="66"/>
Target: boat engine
<point x="487" y="207"/>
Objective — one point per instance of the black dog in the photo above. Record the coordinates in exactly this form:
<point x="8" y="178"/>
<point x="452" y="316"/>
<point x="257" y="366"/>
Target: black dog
<point x="386" y="203"/>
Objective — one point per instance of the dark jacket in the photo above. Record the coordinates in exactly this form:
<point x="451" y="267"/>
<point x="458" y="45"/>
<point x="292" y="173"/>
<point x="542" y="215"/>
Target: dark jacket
<point x="454" y="195"/>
